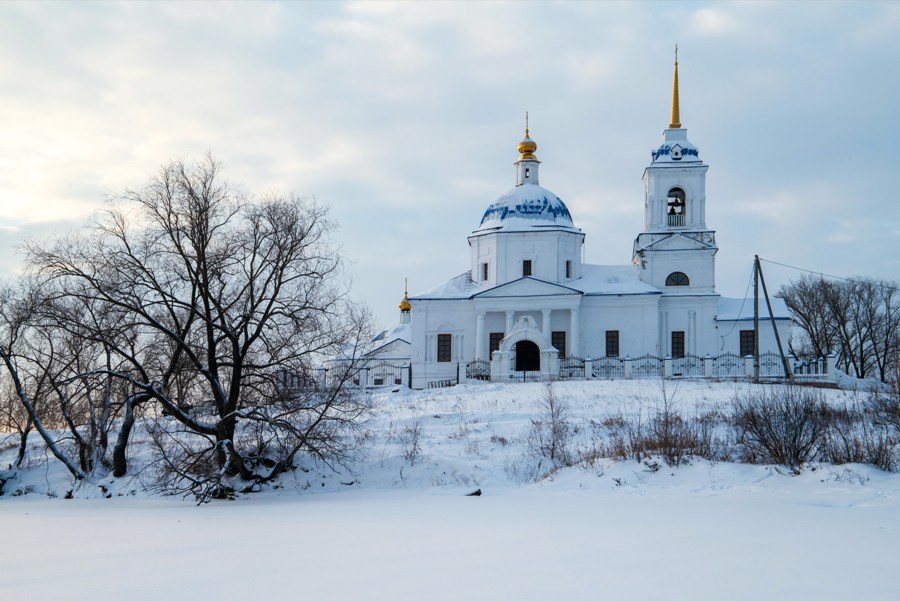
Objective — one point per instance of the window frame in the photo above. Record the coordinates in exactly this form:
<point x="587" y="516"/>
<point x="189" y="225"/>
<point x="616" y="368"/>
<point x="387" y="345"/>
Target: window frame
<point x="444" y="348"/>
<point x="485" y="270"/>
<point x="494" y="337"/>
<point x="612" y="343"/>
<point x="555" y="339"/>
<point x="678" y="278"/>
<point x="568" y="269"/>
<point x="527" y="268"/>
<point x="743" y="340"/>
<point x="677" y="349"/>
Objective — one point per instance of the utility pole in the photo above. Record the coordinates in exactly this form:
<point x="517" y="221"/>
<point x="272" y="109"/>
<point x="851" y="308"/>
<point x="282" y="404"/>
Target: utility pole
<point x="784" y="362"/>
<point x="756" y="318"/>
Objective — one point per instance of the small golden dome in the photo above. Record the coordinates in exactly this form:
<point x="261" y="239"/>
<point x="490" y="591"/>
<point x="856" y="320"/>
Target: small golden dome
<point x="404" y="304"/>
<point x="527" y="147"/>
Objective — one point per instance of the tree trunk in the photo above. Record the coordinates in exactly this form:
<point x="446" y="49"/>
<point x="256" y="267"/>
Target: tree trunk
<point x="120" y="463"/>
<point x="23" y="442"/>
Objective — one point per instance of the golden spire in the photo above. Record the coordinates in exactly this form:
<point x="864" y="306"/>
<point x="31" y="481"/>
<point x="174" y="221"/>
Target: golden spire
<point x="527" y="146"/>
<point x="676" y="116"/>
<point x="404" y="304"/>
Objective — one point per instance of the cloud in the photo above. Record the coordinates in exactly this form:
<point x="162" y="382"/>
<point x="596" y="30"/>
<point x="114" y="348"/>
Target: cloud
<point x="404" y="118"/>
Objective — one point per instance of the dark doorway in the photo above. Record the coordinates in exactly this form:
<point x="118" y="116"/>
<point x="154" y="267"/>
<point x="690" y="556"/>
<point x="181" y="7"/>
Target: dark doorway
<point x="528" y="356"/>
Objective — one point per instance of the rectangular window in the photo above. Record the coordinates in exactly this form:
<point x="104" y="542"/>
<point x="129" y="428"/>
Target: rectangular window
<point x="558" y="340"/>
<point x="443" y="348"/>
<point x="612" y="343"/>
<point x="568" y="269"/>
<point x="484" y="272"/>
<point x="677" y="345"/>
<point x="526" y="268"/>
<point x="494" y="342"/>
<point x="746" y="342"/>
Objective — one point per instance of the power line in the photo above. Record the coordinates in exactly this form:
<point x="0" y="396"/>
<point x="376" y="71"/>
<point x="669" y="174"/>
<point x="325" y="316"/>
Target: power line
<point x="740" y="311"/>
<point x="880" y="284"/>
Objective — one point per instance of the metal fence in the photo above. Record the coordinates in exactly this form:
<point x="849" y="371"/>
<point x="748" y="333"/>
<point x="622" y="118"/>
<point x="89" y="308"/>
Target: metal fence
<point x="608" y="368"/>
<point x="478" y="370"/>
<point x="688" y="366"/>
<point x="647" y="366"/>
<point x="571" y="368"/>
<point x="728" y="365"/>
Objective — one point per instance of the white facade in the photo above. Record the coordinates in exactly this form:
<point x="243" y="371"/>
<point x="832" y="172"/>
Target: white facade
<point x="528" y="300"/>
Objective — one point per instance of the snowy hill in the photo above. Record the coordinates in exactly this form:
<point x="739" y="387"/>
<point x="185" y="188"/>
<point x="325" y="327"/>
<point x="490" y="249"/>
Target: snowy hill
<point x="398" y="524"/>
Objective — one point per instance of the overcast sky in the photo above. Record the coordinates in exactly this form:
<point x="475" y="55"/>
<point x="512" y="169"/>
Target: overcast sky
<point x="404" y="118"/>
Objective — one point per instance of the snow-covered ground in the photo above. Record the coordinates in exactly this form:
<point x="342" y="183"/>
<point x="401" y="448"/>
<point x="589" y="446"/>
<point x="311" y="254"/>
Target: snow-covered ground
<point x="400" y="526"/>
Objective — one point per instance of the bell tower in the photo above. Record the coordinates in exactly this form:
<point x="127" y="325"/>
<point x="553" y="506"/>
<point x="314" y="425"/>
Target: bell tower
<point x="676" y="250"/>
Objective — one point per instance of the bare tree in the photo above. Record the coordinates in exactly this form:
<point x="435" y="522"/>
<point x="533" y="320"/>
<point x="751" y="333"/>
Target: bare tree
<point x="857" y="319"/>
<point x="805" y="299"/>
<point x="210" y="292"/>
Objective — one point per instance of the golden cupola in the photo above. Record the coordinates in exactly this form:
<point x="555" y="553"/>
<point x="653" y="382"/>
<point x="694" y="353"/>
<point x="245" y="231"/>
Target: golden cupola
<point x="405" y="306"/>
<point x="527" y="146"/>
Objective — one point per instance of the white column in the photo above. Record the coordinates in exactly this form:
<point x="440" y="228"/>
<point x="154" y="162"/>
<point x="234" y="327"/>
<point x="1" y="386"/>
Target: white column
<point x="509" y="322"/>
<point x="545" y="325"/>
<point x="692" y="332"/>
<point x="479" y="337"/>
<point x="573" y="350"/>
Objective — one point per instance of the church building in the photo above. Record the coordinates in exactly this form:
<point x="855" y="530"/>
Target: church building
<point x="528" y="302"/>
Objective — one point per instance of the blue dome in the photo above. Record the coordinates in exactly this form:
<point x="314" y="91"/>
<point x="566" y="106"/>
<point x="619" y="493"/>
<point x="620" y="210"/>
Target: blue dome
<point x="528" y="206"/>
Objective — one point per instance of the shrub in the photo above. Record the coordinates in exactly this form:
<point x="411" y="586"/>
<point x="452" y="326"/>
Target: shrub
<point x="783" y="425"/>
<point x="549" y="436"/>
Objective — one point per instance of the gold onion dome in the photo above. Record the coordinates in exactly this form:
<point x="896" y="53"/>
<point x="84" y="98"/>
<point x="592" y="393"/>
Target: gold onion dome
<point x="404" y="304"/>
<point x="527" y="147"/>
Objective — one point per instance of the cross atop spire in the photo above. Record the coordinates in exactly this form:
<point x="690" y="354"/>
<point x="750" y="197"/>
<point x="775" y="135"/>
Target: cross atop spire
<point x="676" y="113"/>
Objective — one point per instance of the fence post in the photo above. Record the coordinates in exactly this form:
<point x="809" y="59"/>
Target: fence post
<point x="829" y="363"/>
<point x="667" y="367"/>
<point x="364" y="378"/>
<point x="588" y="368"/>
<point x="404" y="375"/>
<point x="707" y="366"/>
<point x="748" y="366"/>
<point x="460" y="373"/>
<point x="323" y="377"/>
<point x="626" y="368"/>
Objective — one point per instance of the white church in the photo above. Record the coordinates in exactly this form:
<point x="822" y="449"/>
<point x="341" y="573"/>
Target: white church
<point x="529" y="303"/>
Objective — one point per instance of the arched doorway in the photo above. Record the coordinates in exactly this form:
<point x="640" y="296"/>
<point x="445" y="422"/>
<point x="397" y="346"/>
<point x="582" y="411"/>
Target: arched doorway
<point x="528" y="356"/>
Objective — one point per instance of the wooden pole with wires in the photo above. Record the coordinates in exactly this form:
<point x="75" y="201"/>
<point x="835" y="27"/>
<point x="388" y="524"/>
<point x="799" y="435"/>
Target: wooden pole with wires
<point x="756" y="318"/>
<point x="784" y="362"/>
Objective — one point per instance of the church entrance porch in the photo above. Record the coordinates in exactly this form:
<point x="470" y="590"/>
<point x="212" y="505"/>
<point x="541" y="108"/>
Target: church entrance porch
<point x="524" y="353"/>
<point x="528" y="356"/>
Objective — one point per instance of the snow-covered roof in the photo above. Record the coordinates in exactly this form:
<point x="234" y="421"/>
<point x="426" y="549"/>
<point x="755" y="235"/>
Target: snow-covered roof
<point x="595" y="280"/>
<point x="611" y="279"/>
<point x="526" y="208"/>
<point x="676" y="149"/>
<point x="400" y="332"/>
<point x="741" y="309"/>
<point x="461" y="286"/>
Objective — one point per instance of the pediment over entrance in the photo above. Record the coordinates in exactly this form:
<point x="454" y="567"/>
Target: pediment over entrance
<point x="679" y="241"/>
<point x="527" y="287"/>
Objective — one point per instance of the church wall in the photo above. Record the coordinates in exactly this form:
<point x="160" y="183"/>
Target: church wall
<point x="693" y="315"/>
<point x="433" y="317"/>
<point x="635" y="318"/>
<point x="728" y="333"/>
<point x="547" y="251"/>
<point x="699" y="265"/>
<point x="484" y="250"/>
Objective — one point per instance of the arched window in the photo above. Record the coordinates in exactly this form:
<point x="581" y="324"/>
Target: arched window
<point x="677" y="278"/>
<point x="677" y="207"/>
